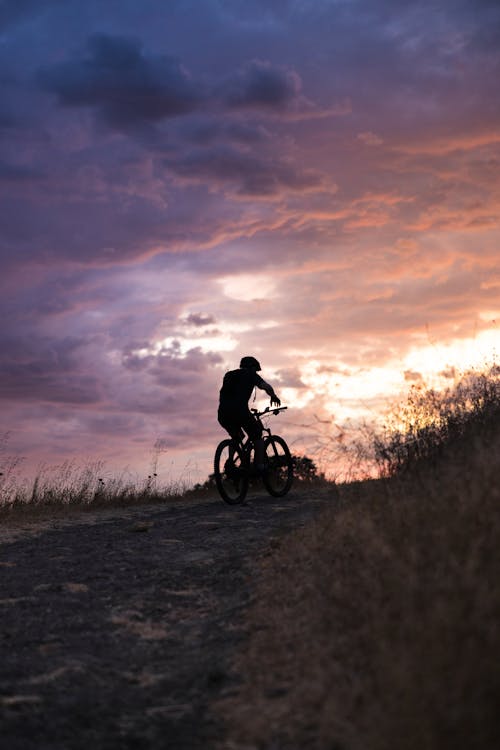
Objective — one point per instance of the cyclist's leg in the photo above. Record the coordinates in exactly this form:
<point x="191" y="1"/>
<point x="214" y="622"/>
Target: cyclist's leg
<point x="254" y="432"/>
<point x="260" y="453"/>
<point x="230" y="422"/>
<point x="232" y="426"/>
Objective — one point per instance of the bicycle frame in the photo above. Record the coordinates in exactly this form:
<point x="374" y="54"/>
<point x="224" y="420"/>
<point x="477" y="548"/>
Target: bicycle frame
<point x="247" y="444"/>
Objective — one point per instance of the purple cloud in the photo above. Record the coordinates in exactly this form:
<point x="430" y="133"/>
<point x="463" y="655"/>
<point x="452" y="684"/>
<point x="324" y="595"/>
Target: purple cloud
<point x="244" y="171"/>
<point x="200" y="320"/>
<point x="45" y="370"/>
<point x="262" y="85"/>
<point x="122" y="84"/>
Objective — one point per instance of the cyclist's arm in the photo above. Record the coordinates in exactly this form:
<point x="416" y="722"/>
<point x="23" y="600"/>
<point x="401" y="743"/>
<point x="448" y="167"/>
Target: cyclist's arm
<point x="270" y="392"/>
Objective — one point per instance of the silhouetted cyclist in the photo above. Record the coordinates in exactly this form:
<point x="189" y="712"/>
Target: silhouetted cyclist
<point x="234" y="414"/>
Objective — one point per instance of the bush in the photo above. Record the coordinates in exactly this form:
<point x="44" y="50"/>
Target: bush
<point x="305" y="470"/>
<point x="433" y="423"/>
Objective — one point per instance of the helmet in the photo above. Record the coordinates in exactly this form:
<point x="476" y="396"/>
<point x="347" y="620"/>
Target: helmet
<point x="250" y="362"/>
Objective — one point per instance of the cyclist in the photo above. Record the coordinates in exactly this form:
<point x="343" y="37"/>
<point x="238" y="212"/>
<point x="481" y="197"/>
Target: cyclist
<point x="234" y="414"/>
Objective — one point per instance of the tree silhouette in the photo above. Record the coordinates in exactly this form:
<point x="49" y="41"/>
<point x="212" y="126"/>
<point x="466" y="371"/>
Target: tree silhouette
<point x="305" y="470"/>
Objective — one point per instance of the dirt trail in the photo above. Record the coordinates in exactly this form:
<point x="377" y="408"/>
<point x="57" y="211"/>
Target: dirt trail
<point x="118" y="626"/>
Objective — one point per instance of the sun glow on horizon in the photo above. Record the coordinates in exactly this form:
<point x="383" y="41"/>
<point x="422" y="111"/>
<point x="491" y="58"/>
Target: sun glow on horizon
<point x="349" y="393"/>
<point x="436" y="361"/>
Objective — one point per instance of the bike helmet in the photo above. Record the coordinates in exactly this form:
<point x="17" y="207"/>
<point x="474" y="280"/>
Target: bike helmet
<point x="250" y="362"/>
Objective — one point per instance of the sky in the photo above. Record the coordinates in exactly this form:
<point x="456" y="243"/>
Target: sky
<point x="312" y="182"/>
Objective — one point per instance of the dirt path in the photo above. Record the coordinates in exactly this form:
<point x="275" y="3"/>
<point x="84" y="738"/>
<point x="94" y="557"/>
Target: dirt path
<point x="117" y="627"/>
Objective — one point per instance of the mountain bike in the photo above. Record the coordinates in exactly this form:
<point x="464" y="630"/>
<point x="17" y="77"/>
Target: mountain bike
<point x="234" y="465"/>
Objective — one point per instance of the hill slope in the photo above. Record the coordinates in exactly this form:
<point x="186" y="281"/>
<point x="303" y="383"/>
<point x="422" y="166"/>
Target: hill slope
<point x="377" y="627"/>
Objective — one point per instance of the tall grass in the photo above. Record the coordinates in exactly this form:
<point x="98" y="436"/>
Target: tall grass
<point x="416" y="431"/>
<point x="434" y="423"/>
<point x="378" y="626"/>
<point x="71" y="484"/>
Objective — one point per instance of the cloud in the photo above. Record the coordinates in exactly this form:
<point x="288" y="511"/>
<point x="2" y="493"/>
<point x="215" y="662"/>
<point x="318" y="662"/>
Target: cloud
<point x="122" y="84"/>
<point x="127" y="87"/>
<point x="205" y="132"/>
<point x="43" y="369"/>
<point x="244" y="172"/>
<point x="262" y="85"/>
<point x="199" y="320"/>
<point x="290" y="378"/>
<point x="370" y="139"/>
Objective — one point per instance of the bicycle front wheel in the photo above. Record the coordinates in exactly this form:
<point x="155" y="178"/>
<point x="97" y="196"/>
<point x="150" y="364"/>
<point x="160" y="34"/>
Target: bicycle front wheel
<point x="231" y="476"/>
<point x="278" y="476"/>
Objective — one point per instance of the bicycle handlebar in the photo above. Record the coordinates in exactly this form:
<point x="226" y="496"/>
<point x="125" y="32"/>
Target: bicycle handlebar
<point x="269" y="410"/>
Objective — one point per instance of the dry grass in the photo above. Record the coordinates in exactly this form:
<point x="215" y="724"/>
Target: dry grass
<point x="378" y="627"/>
<point x="71" y="485"/>
<point x="433" y="423"/>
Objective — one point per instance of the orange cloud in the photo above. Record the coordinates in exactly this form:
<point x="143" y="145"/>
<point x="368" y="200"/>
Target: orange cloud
<point x="439" y="145"/>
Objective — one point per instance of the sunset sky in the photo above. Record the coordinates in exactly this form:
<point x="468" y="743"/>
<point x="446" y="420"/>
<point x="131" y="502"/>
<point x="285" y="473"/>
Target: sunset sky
<point x="312" y="182"/>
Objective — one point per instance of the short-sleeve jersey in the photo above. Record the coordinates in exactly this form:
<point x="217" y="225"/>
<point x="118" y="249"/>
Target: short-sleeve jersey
<point x="237" y="388"/>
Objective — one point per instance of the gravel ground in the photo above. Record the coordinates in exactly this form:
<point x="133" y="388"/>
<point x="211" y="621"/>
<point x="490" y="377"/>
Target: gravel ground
<point x="118" y="626"/>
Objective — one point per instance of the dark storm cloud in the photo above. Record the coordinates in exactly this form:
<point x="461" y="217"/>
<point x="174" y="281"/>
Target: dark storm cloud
<point x="207" y="132"/>
<point x="126" y="86"/>
<point x="248" y="173"/>
<point x="262" y="85"/>
<point x="123" y="84"/>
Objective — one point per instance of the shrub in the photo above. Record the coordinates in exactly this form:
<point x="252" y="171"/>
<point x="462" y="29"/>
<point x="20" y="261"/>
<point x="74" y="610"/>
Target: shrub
<point x="432" y="423"/>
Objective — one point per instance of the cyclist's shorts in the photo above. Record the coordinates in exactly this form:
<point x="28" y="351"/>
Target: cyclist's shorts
<point x="233" y="422"/>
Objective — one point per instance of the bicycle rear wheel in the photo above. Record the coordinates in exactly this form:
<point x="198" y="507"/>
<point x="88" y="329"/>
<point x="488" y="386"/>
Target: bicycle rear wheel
<point x="231" y="476"/>
<point x="278" y="476"/>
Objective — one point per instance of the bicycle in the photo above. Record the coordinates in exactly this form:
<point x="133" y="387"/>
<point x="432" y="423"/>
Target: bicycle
<point x="234" y="463"/>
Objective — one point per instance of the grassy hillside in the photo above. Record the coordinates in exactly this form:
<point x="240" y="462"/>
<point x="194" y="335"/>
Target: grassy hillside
<point x="378" y="627"/>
